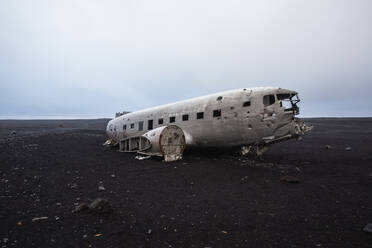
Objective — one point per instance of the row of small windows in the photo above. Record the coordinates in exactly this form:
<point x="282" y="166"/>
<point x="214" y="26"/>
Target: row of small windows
<point x="185" y="117"/>
<point x="172" y="119"/>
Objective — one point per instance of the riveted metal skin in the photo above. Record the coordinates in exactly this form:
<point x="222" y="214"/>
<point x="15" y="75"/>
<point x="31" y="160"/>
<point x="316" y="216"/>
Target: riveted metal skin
<point x="251" y="116"/>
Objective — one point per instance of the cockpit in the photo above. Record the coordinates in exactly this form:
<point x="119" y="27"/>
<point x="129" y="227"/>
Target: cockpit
<point x="286" y="100"/>
<point x="289" y="102"/>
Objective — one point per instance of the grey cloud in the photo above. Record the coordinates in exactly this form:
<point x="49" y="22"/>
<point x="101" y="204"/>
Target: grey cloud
<point x="92" y="58"/>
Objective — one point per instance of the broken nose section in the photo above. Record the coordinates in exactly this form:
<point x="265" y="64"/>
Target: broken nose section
<point x="299" y="128"/>
<point x="294" y="129"/>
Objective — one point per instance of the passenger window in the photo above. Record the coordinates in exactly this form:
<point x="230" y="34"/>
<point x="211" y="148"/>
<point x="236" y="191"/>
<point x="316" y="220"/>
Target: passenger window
<point x="200" y="115"/>
<point x="247" y="104"/>
<point x="268" y="100"/>
<point x="172" y="119"/>
<point x="132" y="125"/>
<point x="160" y="121"/>
<point x="150" y="124"/>
<point x="124" y="127"/>
<point x="185" y="117"/>
<point x="140" y="126"/>
<point x="217" y="113"/>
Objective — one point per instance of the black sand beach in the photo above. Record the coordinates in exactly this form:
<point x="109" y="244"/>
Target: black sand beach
<point x="48" y="168"/>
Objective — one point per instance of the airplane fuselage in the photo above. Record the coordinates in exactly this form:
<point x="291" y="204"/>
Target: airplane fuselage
<point x="230" y="118"/>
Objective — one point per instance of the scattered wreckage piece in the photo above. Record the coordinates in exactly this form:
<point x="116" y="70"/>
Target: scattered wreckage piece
<point x="255" y="150"/>
<point x="252" y="118"/>
<point x="142" y="157"/>
<point x="39" y="218"/>
<point x="98" y="205"/>
<point x="110" y="142"/>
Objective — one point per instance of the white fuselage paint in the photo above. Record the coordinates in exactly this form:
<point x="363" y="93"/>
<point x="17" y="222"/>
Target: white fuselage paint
<point x="237" y="125"/>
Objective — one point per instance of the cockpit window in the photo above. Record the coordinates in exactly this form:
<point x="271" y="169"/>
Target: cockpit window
<point x="268" y="100"/>
<point x="288" y="102"/>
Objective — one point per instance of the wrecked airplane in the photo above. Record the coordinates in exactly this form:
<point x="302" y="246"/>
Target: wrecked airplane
<point x="250" y="118"/>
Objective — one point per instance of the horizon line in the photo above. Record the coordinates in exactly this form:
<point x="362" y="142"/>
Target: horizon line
<point x="96" y="117"/>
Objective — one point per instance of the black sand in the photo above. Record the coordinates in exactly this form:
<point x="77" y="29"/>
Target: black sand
<point x="209" y="199"/>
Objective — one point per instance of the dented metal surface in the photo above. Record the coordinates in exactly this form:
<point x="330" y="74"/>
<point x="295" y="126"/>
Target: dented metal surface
<point x="246" y="117"/>
<point x="168" y="141"/>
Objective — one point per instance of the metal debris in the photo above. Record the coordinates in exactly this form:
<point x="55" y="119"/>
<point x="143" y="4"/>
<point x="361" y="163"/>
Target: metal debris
<point x="142" y="157"/>
<point x="110" y="142"/>
<point x="118" y="114"/>
<point x="244" y="150"/>
<point x="327" y="147"/>
<point x="39" y="218"/>
<point x="348" y="148"/>
<point x="301" y="128"/>
<point x="255" y="150"/>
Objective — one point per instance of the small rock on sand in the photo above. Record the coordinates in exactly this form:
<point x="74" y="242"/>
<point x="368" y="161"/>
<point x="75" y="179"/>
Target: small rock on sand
<point x="73" y="186"/>
<point x="100" y="206"/>
<point x="289" y="179"/>
<point x="80" y="207"/>
<point x="368" y="228"/>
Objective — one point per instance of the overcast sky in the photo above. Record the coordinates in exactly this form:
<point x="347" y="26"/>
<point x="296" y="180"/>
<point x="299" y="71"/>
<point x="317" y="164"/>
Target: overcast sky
<point x="93" y="58"/>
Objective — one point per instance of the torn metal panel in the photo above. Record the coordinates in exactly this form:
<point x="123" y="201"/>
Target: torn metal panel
<point x="118" y="114"/>
<point x="110" y="142"/>
<point x="166" y="141"/>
